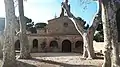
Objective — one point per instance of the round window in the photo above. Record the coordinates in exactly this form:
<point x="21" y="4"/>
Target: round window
<point x="65" y="24"/>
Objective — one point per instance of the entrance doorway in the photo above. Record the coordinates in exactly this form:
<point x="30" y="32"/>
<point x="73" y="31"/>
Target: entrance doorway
<point x="17" y="45"/>
<point x="66" y="46"/>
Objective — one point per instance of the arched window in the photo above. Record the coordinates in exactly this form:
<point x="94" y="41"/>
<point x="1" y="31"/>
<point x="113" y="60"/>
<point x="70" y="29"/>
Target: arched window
<point x="79" y="44"/>
<point x="65" y="24"/>
<point x="54" y="44"/>
<point x="35" y="43"/>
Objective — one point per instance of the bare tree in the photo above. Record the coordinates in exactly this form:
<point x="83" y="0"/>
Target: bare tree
<point x="86" y="34"/>
<point x="108" y="11"/>
<point x="9" y="32"/>
<point x="24" y="47"/>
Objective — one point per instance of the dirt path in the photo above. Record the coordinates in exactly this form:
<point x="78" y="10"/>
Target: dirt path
<point x="58" y="60"/>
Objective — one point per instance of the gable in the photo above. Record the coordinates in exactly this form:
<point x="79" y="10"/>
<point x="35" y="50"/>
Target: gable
<point x="62" y="25"/>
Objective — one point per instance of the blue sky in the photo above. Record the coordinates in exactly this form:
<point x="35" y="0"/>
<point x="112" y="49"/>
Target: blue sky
<point x="43" y="10"/>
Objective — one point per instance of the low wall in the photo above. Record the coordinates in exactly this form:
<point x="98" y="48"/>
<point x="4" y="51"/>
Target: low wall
<point x="100" y="46"/>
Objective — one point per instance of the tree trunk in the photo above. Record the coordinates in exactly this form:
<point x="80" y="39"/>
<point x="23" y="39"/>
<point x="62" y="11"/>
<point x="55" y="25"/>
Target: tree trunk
<point x="107" y="36"/>
<point x="88" y="46"/>
<point x="115" y="45"/>
<point x="86" y="43"/>
<point x="110" y="34"/>
<point x="24" y="47"/>
<point x="9" y="32"/>
<point x="88" y="51"/>
<point x="1" y="53"/>
<point x="114" y="40"/>
<point x="88" y="38"/>
<point x="91" y="36"/>
<point x="1" y="46"/>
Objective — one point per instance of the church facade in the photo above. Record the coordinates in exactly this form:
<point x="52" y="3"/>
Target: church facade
<point x="59" y="35"/>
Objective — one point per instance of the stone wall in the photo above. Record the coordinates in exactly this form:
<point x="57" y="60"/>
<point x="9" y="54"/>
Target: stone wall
<point x="41" y="31"/>
<point x="61" y="25"/>
<point x="57" y="30"/>
<point x="100" y="46"/>
<point x="48" y="39"/>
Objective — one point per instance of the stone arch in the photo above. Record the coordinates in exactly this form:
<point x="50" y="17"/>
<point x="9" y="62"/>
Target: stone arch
<point x="118" y="23"/>
<point x="79" y="45"/>
<point x="35" y="43"/>
<point x="66" y="46"/>
<point x="54" y="44"/>
<point x="17" y="45"/>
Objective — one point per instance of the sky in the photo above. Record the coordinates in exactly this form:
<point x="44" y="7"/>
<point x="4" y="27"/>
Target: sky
<point x="44" y="10"/>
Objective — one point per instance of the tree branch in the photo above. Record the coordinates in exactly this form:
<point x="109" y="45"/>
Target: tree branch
<point x="79" y="27"/>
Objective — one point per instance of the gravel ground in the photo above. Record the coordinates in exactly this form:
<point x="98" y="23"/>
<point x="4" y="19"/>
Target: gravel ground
<point x="58" y="60"/>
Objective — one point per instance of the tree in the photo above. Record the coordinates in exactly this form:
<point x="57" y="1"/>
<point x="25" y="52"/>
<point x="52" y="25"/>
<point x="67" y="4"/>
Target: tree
<point x="86" y="34"/>
<point x="40" y="25"/>
<point x="30" y="26"/>
<point x="1" y="47"/>
<point x="108" y="12"/>
<point x="8" y="47"/>
<point x="24" y="47"/>
<point x="110" y="33"/>
<point x="84" y="22"/>
<point x="99" y="36"/>
<point x="29" y="23"/>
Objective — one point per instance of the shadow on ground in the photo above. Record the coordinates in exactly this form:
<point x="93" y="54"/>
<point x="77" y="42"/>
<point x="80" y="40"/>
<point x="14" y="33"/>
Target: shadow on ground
<point x="48" y="63"/>
<point x="19" y="64"/>
<point x="53" y="54"/>
<point x="22" y="64"/>
<point x="60" y="64"/>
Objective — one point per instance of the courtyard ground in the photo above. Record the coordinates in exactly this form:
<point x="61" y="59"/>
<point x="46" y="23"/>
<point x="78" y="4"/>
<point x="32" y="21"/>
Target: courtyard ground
<point x="58" y="60"/>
